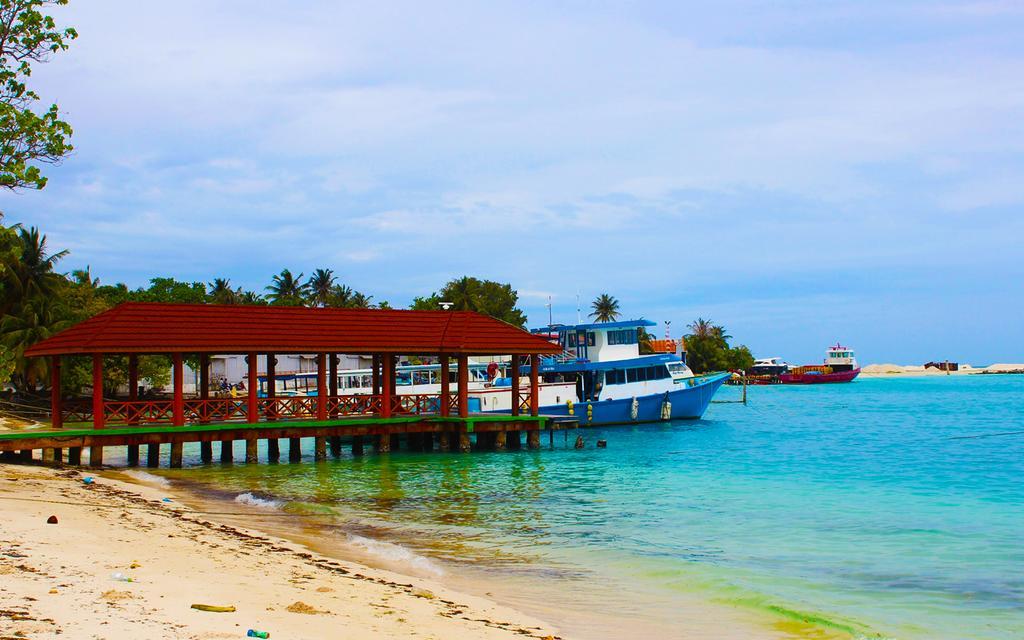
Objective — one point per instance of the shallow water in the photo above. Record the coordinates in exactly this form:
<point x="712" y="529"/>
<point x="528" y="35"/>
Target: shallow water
<point x="860" y="508"/>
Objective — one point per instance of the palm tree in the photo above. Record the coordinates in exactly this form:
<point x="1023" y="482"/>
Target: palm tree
<point x="221" y="292"/>
<point x="31" y="273"/>
<point x="84" y="278"/>
<point x="38" y="318"/>
<point x="250" y="297"/>
<point x="701" y="328"/>
<point x="340" y="296"/>
<point x="287" y="290"/>
<point x="320" y="287"/>
<point x="360" y="301"/>
<point x="605" y="308"/>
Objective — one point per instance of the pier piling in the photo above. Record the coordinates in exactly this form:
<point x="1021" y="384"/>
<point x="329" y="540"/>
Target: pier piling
<point x="319" y="449"/>
<point x="273" y="449"/>
<point x="335" y="444"/>
<point x="382" y="443"/>
<point x="227" y="451"/>
<point x="206" y="451"/>
<point x="75" y="455"/>
<point x="47" y="455"/>
<point x="153" y="455"/>
<point x="25" y="455"/>
<point x="251" y="451"/>
<point x="500" y="438"/>
<point x="133" y="455"/>
<point x="465" y="445"/>
<point x="533" y="439"/>
<point x="443" y="441"/>
<point x="357" y="445"/>
<point x="294" y="449"/>
<point x="177" y="449"/>
<point x="95" y="456"/>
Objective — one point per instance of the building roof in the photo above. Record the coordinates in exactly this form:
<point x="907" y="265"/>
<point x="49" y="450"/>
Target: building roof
<point x="618" y="324"/>
<point x="149" y="327"/>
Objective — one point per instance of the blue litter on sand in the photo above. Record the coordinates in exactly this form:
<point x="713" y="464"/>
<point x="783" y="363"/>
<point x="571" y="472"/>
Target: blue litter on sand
<point x="87" y="480"/>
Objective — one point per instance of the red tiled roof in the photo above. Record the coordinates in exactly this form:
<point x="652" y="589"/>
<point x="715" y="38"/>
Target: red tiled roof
<point x="147" y="327"/>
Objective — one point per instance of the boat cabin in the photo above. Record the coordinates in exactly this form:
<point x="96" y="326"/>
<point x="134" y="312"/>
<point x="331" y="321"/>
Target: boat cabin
<point x="841" y="358"/>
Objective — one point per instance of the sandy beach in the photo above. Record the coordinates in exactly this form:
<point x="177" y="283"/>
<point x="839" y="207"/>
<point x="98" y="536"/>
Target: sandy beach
<point x="57" y="579"/>
<point x="905" y="370"/>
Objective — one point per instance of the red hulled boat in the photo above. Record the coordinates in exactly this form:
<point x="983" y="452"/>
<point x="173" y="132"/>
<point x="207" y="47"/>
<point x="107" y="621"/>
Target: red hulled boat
<point x="840" y="366"/>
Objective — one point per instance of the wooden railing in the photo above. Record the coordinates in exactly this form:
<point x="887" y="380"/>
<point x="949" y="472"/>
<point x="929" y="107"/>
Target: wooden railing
<point x="211" y="410"/>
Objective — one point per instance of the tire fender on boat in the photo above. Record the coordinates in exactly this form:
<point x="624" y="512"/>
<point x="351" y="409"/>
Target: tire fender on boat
<point x="666" y="408"/>
<point x="634" y="409"/>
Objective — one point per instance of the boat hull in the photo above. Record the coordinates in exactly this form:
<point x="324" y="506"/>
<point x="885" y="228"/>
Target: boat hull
<point x="689" y="402"/>
<point x="819" y="378"/>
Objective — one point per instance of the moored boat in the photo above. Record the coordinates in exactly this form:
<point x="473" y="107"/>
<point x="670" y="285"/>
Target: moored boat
<point x="840" y="366"/>
<point x="615" y="384"/>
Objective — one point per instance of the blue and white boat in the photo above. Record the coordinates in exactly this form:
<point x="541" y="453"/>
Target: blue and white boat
<point x="615" y="384"/>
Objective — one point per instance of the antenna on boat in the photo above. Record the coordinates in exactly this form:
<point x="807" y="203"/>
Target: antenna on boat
<point x="668" y="330"/>
<point x="578" y="320"/>
<point x="550" y="319"/>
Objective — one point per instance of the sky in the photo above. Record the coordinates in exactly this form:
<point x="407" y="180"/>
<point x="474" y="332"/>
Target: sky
<point x="802" y="173"/>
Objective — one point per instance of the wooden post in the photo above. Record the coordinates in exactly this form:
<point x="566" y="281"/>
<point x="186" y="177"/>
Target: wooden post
<point x="382" y="443"/>
<point x="95" y="456"/>
<point x="446" y="384"/>
<point x="133" y="377"/>
<point x="294" y="449"/>
<point x="204" y="376"/>
<point x="179" y="393"/>
<point x="56" y="417"/>
<point x="25" y="455"/>
<point x="465" y="445"/>
<point x="357" y="445"/>
<point x="133" y="381"/>
<point x="334" y="442"/>
<point x="463" y="389"/>
<point x="206" y="451"/>
<point x="376" y="375"/>
<point x="443" y="441"/>
<point x="227" y="450"/>
<point x="332" y="384"/>
<point x="271" y="386"/>
<point x="513" y="440"/>
<point x="251" y="450"/>
<point x="75" y="455"/>
<point x="153" y="455"/>
<point x="322" y="394"/>
<point x="534" y="384"/>
<point x="176" y="451"/>
<point x="499" y="440"/>
<point x="515" y="384"/>
<point x="533" y="438"/>
<point x="385" y="393"/>
<point x="133" y="455"/>
<point x="273" y="449"/>
<point x="253" y="408"/>
<point x="47" y="455"/>
<point x="98" y="417"/>
<point x="319" y="448"/>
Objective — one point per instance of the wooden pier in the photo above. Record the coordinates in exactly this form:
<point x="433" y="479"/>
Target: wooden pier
<point x="383" y="419"/>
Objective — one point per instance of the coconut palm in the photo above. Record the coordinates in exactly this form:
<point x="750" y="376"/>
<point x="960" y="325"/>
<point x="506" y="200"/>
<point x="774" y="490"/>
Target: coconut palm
<point x="37" y="319"/>
<point x="31" y="274"/>
<point x="320" y="287"/>
<point x="220" y="292"/>
<point x="701" y="328"/>
<point x="605" y="308"/>
<point x="287" y="290"/>
<point x="251" y="297"/>
<point x="360" y="301"/>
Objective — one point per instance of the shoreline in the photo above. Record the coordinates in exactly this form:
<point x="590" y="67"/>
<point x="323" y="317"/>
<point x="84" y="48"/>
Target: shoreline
<point x="57" y="579"/>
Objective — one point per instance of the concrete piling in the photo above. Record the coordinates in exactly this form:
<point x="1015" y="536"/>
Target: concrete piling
<point x="273" y="449"/>
<point x="294" y="449"/>
<point x="95" y="456"/>
<point x="319" y="449"/>
<point x="251" y="451"/>
<point x="206" y="451"/>
<point x="153" y="455"/>
<point x="177" y="449"/>
<point x="133" y="455"/>
<point x="227" y="453"/>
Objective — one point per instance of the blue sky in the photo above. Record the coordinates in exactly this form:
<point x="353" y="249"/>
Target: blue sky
<point x="801" y="172"/>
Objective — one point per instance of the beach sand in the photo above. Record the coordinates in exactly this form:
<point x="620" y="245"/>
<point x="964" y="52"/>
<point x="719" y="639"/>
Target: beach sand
<point x="56" y="580"/>
<point x="908" y="371"/>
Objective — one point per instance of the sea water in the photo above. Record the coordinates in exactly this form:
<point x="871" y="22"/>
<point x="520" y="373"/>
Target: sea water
<point x="881" y="508"/>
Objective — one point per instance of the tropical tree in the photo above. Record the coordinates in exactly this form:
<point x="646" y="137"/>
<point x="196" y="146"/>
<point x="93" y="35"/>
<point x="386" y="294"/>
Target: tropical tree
<point x="220" y="292"/>
<point x="707" y="349"/>
<point x="320" y="287"/>
<point x="31" y="272"/>
<point x="287" y="290"/>
<point x="37" y="318"/>
<point x="27" y="137"/>
<point x="490" y="298"/>
<point x="251" y="297"/>
<point x="605" y="308"/>
<point x="360" y="301"/>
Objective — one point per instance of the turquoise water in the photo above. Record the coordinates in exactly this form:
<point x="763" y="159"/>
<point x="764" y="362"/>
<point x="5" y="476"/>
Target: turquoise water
<point x="862" y="507"/>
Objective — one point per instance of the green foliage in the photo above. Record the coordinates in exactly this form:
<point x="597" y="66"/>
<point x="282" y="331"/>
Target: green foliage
<point x="28" y="138"/>
<point x="320" y="287"/>
<point x="483" y="296"/>
<point x="287" y="290"/>
<point x="605" y="308"/>
<point x="707" y="349"/>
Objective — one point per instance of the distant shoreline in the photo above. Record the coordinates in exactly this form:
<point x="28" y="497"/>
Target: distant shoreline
<point x="891" y="370"/>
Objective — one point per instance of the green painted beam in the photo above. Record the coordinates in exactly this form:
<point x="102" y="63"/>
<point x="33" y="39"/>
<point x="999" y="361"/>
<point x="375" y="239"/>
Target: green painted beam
<point x="470" y="423"/>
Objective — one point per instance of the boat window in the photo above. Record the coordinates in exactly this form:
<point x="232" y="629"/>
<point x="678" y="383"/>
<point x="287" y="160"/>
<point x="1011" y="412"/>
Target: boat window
<point x="622" y="336"/>
<point x="615" y="376"/>
<point x="591" y="339"/>
<point x="572" y="339"/>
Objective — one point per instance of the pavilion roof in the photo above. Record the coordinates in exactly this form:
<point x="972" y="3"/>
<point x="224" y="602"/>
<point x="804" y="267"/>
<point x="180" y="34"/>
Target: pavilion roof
<point x="150" y="327"/>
